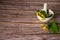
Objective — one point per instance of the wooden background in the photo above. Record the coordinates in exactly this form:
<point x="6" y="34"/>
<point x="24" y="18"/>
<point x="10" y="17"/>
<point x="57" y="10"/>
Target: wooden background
<point x="19" y="22"/>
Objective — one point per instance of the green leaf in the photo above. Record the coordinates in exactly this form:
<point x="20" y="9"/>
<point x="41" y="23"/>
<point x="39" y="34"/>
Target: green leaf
<point x="59" y="27"/>
<point x="53" y="28"/>
<point x="46" y="14"/>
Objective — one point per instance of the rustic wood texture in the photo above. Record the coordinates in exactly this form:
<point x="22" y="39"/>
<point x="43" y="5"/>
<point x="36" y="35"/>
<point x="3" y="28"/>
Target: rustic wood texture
<point x="19" y="22"/>
<point x="30" y="37"/>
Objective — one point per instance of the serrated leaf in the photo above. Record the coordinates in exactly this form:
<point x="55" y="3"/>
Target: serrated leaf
<point x="53" y="28"/>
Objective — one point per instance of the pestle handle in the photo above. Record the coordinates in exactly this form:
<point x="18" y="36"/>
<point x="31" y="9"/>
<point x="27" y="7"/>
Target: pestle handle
<point x="45" y="7"/>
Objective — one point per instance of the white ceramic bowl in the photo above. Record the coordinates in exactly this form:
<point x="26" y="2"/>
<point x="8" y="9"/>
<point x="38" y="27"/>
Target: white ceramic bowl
<point x="47" y="19"/>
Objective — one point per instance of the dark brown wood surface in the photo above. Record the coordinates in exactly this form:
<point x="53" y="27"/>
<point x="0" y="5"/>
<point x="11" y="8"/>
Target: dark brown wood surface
<point x="19" y="22"/>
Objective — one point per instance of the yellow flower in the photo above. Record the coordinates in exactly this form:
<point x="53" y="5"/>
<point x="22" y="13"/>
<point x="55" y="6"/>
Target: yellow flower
<point x="41" y="16"/>
<point x="38" y="13"/>
<point x="42" y="19"/>
<point x="43" y="25"/>
<point x="45" y="28"/>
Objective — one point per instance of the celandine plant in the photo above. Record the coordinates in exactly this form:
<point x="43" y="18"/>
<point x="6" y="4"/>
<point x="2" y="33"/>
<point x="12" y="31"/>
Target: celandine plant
<point x="45" y="15"/>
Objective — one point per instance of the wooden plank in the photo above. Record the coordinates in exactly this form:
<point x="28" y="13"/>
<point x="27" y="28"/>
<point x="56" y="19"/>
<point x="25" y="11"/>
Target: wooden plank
<point x="32" y="0"/>
<point x="26" y="3"/>
<point x="30" y="37"/>
<point x="20" y="28"/>
<point x="7" y="7"/>
<point x="23" y="4"/>
<point x="28" y="8"/>
<point x="18" y="18"/>
<point x="24" y="12"/>
<point x="18" y="31"/>
<point x="22" y="16"/>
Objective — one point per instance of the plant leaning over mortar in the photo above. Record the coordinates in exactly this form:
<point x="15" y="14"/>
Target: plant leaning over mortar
<point x="51" y="25"/>
<point x="45" y="15"/>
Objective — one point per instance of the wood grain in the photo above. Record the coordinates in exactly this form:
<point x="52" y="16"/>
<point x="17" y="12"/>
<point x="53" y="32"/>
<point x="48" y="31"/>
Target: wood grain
<point x="30" y="37"/>
<point x="30" y="7"/>
<point x="22" y="16"/>
<point x="27" y="5"/>
<point x="20" y="28"/>
<point x="19" y="22"/>
<point x="32" y="0"/>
